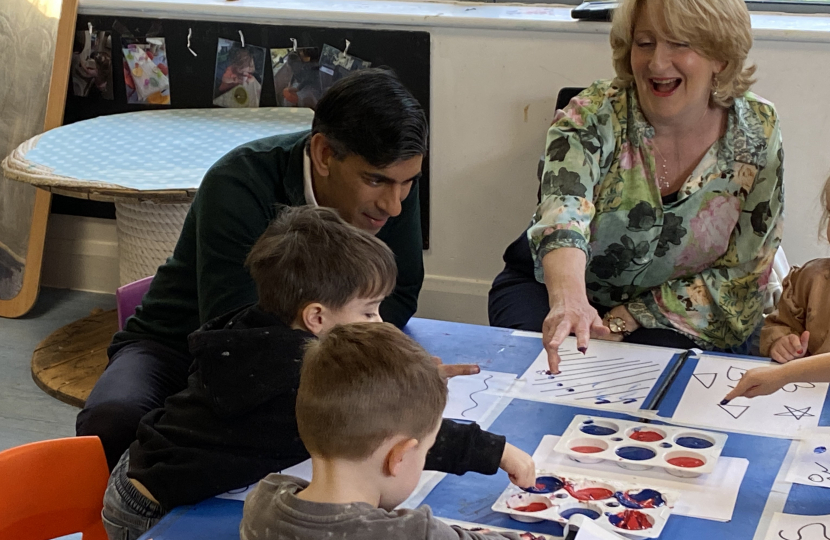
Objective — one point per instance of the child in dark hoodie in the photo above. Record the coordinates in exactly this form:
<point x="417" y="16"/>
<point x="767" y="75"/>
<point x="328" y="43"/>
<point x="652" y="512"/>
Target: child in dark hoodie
<point x="235" y="422"/>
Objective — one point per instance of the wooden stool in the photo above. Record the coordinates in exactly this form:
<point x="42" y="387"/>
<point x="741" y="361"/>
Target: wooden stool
<point x="67" y="364"/>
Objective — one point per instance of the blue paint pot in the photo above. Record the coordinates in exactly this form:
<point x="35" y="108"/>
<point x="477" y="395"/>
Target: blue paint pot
<point x="694" y="442"/>
<point x="635" y="453"/>
<point x="646" y="498"/>
<point x="599" y="431"/>
<point x="587" y="512"/>
<point x="546" y="484"/>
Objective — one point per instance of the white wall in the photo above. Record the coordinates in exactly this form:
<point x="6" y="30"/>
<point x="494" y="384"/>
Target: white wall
<point x="485" y="149"/>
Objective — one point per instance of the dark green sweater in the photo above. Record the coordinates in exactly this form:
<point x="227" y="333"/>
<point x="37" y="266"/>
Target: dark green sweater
<point x="238" y="197"/>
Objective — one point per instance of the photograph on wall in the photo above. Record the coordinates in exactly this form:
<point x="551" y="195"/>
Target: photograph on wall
<point x="92" y="64"/>
<point x="336" y="64"/>
<point x="296" y="76"/>
<point x="146" y="74"/>
<point x="239" y="72"/>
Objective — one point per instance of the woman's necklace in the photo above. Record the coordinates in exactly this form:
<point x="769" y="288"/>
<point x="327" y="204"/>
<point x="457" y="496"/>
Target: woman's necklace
<point x="663" y="181"/>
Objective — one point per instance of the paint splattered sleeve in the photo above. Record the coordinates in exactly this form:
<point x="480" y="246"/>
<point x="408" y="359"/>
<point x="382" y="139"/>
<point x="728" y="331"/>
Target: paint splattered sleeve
<point x="580" y="146"/>
<point x="721" y="305"/>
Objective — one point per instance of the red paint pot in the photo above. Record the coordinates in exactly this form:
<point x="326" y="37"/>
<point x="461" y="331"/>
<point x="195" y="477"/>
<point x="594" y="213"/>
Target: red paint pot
<point x="646" y="436"/>
<point x="532" y="507"/>
<point x="631" y="520"/>
<point x="587" y="449"/>
<point x="686" y="462"/>
<point x="589" y="494"/>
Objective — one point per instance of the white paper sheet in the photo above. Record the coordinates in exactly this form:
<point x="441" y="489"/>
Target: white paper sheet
<point x="471" y="397"/>
<point x="793" y="527"/>
<point x="811" y="463"/>
<point x="611" y="376"/>
<point x="709" y="496"/>
<point x="794" y="408"/>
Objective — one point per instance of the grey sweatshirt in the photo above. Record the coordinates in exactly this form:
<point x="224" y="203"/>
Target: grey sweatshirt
<point x="273" y="512"/>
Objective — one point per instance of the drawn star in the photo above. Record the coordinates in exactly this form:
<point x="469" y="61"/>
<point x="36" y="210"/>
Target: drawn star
<point x="798" y="414"/>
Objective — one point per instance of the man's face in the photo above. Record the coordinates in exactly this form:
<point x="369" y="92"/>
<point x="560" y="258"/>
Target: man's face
<point x="363" y="195"/>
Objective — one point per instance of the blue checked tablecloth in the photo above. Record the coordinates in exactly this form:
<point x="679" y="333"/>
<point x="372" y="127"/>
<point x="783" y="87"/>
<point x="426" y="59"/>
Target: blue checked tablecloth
<point x="149" y="150"/>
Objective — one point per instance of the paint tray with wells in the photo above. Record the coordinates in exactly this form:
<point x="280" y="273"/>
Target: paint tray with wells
<point x="621" y="507"/>
<point x="636" y="446"/>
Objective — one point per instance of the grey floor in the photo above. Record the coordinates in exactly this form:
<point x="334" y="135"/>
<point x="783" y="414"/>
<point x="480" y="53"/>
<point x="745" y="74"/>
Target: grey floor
<point x="27" y="414"/>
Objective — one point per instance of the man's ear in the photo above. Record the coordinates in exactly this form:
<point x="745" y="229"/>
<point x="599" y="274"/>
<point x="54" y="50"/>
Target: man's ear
<point x="321" y="155"/>
<point x="313" y="317"/>
<point x="397" y="454"/>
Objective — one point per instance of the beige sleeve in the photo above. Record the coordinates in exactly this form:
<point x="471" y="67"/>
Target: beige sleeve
<point x="788" y="317"/>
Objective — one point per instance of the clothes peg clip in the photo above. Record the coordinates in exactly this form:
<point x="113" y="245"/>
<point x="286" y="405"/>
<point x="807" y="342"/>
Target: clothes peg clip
<point x="242" y="38"/>
<point x="189" y="34"/>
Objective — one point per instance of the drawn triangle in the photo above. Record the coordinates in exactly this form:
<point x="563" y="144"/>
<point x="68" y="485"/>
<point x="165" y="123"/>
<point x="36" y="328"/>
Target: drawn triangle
<point x="706" y="379"/>
<point x="735" y="411"/>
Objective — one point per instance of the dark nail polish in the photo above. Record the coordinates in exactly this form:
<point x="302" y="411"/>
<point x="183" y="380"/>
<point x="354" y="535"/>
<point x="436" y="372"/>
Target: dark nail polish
<point x="725" y="402"/>
<point x="583" y="350"/>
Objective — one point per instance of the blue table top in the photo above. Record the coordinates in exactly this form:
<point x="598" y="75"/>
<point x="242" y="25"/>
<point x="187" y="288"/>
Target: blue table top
<point x="154" y="150"/>
<point x="469" y="497"/>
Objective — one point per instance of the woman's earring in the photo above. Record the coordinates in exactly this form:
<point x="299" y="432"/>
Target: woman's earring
<point x="715" y="86"/>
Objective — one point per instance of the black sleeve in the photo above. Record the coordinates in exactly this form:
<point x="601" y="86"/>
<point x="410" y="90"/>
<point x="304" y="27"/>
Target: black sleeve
<point x="403" y="236"/>
<point x="461" y="448"/>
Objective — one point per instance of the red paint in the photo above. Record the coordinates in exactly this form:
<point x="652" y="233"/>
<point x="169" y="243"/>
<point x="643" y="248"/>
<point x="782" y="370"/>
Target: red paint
<point x="532" y="507"/>
<point x="587" y="449"/>
<point x="631" y="520"/>
<point x="687" y="462"/>
<point x="646" y="436"/>
<point x="590" y="494"/>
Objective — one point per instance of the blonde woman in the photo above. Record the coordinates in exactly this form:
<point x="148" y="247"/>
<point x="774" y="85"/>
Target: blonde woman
<point x="662" y="193"/>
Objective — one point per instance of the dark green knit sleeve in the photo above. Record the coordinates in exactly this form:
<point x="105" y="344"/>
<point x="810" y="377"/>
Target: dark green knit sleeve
<point x="403" y="236"/>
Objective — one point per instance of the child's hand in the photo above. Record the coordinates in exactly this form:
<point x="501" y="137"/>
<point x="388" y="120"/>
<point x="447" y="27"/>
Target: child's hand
<point x="519" y="466"/>
<point x="789" y="347"/>
<point x="760" y="381"/>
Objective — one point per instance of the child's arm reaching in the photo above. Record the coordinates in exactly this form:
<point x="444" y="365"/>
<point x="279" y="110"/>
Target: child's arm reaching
<point x="763" y="381"/>
<point x="783" y="336"/>
<point x="462" y="448"/>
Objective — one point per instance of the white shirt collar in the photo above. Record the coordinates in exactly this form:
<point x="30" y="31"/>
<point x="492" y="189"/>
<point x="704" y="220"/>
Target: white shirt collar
<point x="308" y="187"/>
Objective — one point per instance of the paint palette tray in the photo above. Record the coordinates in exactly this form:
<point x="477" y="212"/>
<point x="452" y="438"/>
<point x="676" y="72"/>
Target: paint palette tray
<point x="636" y="446"/>
<point x="621" y="507"/>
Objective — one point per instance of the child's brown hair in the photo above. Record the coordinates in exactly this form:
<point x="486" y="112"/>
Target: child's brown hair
<point x="364" y="383"/>
<point x="309" y="254"/>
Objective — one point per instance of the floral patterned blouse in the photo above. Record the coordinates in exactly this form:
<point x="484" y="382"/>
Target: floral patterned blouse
<point x="699" y="265"/>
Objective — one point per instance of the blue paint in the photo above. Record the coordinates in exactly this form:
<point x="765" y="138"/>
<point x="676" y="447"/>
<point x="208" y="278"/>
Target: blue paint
<point x="601" y="402"/>
<point x="616" y="439"/>
<point x="559" y="384"/>
<point x="646" y="498"/>
<point x="693" y="442"/>
<point x="590" y="514"/>
<point x="546" y="484"/>
<point x="635" y="453"/>
<point x="627" y="401"/>
<point x="570" y="389"/>
<point x="599" y="431"/>
<point x="612" y="504"/>
<point x="561" y="495"/>
<point x="588" y="422"/>
<point x="820" y="450"/>
<point x="665" y="445"/>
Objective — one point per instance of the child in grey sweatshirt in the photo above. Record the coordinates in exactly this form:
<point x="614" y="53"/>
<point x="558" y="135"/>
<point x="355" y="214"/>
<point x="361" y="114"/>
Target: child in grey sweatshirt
<point x="368" y="409"/>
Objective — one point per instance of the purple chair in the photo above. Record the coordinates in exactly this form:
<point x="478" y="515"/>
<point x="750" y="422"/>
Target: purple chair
<point x="128" y="297"/>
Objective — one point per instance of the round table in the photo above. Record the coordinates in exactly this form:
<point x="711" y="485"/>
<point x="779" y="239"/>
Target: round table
<point x="150" y="164"/>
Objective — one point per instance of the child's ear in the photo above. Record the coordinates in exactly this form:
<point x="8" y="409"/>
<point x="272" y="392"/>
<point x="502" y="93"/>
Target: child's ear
<point x="397" y="455"/>
<point x="313" y="317"/>
<point x="320" y="153"/>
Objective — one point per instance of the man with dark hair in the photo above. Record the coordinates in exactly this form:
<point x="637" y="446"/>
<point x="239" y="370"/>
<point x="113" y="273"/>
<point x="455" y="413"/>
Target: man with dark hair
<point x="362" y="158"/>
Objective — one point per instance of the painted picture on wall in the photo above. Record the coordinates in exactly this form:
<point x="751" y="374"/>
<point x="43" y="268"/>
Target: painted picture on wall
<point x="239" y="72"/>
<point x="296" y="76"/>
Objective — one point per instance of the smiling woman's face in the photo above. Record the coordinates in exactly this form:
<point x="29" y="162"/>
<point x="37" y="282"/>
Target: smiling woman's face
<point x="673" y="81"/>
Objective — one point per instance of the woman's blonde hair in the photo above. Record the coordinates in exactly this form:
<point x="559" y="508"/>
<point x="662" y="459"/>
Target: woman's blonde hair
<point x="717" y="29"/>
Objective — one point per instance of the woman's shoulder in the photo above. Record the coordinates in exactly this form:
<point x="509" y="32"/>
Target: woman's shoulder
<point x="754" y="104"/>
<point x="601" y="91"/>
